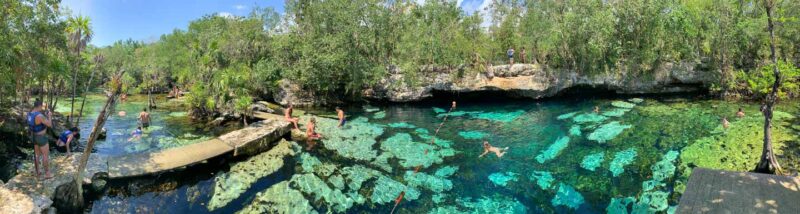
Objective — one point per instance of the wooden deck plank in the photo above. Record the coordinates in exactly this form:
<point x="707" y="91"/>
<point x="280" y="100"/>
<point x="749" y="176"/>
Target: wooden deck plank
<point x="716" y="191"/>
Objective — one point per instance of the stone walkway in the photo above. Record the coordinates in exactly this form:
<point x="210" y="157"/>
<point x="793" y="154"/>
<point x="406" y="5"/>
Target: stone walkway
<point x="716" y="191"/>
<point x="139" y="164"/>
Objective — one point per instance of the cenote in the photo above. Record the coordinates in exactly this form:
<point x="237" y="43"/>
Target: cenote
<point x="634" y="155"/>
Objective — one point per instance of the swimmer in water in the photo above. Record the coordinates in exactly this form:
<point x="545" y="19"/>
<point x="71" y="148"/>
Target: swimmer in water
<point x="489" y="148"/>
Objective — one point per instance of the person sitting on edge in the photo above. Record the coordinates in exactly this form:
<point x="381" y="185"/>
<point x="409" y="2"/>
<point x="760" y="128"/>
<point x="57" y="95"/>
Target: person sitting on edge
<point x="489" y="148"/>
<point x="287" y="113"/>
<point x="740" y="113"/>
<point x="136" y="134"/>
<point x="342" y="119"/>
<point x="311" y="129"/>
<point x="64" y="142"/>
<point x="124" y="97"/>
<point x="725" y="123"/>
<point x="38" y="122"/>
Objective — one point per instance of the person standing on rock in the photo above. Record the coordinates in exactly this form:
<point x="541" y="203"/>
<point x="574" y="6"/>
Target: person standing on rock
<point x="287" y="113"/>
<point x="340" y="114"/>
<point x="510" y="54"/>
<point x="38" y="122"/>
<point x="522" y="55"/>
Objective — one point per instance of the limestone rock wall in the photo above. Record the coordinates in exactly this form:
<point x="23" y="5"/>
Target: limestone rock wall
<point x="536" y="81"/>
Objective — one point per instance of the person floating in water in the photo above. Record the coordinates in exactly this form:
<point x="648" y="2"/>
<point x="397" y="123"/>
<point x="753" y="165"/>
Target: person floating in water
<point x="144" y="118"/>
<point x="489" y="148"/>
<point x="596" y="109"/>
<point x="64" y="143"/>
<point x="740" y="113"/>
<point x="38" y="122"/>
<point x="288" y="115"/>
<point x="725" y="123"/>
<point x="454" y="105"/>
<point x="342" y="119"/>
<point x="136" y="134"/>
<point x="311" y="131"/>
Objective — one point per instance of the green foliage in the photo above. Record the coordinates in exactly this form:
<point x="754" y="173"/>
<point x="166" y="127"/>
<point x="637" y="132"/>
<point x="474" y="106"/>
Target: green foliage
<point x="760" y="81"/>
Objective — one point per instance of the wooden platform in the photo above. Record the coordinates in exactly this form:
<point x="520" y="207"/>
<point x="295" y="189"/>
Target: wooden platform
<point x="149" y="163"/>
<point x="716" y="191"/>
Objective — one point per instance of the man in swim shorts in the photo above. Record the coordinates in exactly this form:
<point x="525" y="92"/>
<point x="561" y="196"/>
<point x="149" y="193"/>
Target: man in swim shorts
<point x="342" y="119"/>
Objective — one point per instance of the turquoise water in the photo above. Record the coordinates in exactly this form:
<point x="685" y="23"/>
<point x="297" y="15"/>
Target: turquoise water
<point x="170" y="125"/>
<point x="562" y="158"/>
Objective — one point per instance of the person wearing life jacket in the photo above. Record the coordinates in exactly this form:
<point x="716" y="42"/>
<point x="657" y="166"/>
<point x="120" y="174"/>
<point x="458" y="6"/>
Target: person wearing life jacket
<point x="66" y="138"/>
<point x="38" y="122"/>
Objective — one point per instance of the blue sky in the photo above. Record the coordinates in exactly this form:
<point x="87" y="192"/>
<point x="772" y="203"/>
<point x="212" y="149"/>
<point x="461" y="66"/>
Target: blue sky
<point x="146" y="20"/>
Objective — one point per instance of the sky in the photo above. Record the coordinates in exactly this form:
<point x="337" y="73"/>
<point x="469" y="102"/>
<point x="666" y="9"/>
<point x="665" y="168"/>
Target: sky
<point x="147" y="20"/>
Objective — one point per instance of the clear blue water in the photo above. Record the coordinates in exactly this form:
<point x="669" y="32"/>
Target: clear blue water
<point x="653" y="129"/>
<point x="170" y="125"/>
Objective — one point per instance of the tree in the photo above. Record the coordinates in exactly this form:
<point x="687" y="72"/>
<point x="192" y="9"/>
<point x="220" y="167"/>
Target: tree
<point x="80" y="33"/>
<point x="769" y="163"/>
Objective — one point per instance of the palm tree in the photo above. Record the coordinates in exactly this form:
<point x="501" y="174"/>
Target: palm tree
<point x="79" y="34"/>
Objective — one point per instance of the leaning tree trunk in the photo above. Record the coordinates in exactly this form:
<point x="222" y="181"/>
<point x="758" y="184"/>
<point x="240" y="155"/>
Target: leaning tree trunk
<point x="768" y="163"/>
<point x="101" y="119"/>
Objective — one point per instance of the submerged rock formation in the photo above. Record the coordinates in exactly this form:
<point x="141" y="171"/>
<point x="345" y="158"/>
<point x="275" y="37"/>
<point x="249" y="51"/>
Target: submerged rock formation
<point x="536" y="81"/>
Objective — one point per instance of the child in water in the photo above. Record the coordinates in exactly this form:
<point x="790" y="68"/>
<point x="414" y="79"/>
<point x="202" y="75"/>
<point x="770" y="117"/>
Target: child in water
<point x="489" y="148"/>
<point x="136" y="134"/>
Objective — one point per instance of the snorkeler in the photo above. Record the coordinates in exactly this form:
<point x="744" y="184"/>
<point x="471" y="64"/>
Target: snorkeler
<point x="136" y="134"/>
<point x="725" y="123"/>
<point x="740" y="113"/>
<point x="489" y="148"/>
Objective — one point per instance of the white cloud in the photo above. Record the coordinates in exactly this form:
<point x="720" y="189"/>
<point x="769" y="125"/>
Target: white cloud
<point x="239" y="7"/>
<point x="226" y="15"/>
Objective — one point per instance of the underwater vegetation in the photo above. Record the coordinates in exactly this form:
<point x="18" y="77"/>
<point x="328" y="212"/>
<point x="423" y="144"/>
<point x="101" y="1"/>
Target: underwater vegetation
<point x="622" y="159"/>
<point x="553" y="150"/>
<point x="567" y="196"/>
<point x="504" y="117"/>
<point x="354" y="140"/>
<point x="472" y="135"/>
<point x="589" y="118"/>
<point x="622" y="104"/>
<point x="607" y="132"/>
<point x="592" y="161"/>
<point x="543" y="179"/>
<point x="737" y="148"/>
<point x="379" y="115"/>
<point x="502" y="179"/>
<point x="290" y="201"/>
<point x="494" y="204"/>
<point x="230" y="185"/>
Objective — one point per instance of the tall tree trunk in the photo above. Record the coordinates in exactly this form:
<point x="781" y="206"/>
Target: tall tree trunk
<point x="74" y="90"/>
<point x="101" y="120"/>
<point x="83" y="102"/>
<point x="768" y="163"/>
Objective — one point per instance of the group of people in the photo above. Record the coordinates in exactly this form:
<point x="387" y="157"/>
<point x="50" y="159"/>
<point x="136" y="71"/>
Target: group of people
<point x="39" y="119"/>
<point x="726" y="124"/>
<point x="510" y="54"/>
<point x="311" y="132"/>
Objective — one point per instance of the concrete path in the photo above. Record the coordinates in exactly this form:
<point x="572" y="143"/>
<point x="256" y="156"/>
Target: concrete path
<point x="716" y="191"/>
